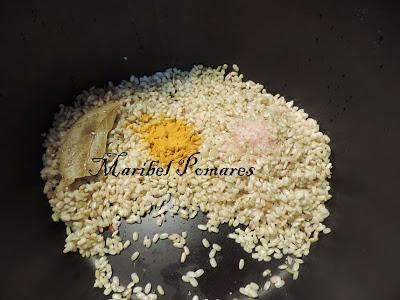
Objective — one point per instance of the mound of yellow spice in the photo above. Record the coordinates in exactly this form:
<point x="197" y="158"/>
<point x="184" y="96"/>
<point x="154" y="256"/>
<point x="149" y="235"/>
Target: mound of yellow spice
<point x="168" y="139"/>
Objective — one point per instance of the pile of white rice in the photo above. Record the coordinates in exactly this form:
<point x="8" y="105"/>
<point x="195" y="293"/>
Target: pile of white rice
<point x="282" y="205"/>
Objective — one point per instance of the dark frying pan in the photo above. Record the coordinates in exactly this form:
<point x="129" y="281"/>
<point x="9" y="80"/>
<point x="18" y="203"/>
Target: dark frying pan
<point x="338" y="61"/>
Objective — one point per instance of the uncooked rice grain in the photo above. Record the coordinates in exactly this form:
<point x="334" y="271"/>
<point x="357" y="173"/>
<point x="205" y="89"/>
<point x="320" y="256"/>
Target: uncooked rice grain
<point x="155" y="238"/>
<point x="186" y="250"/>
<point x="135" y="278"/>
<point x="160" y="290"/>
<point x="199" y="272"/>
<point x="216" y="247"/>
<point x="279" y="284"/>
<point x="183" y="257"/>
<point x="241" y="264"/>
<point x="193" y="282"/>
<point x="205" y="243"/>
<point x="135" y="255"/>
<point x="267" y="285"/>
<point x="213" y="262"/>
<point x="277" y="211"/>
<point x="202" y="227"/>
<point x="266" y="273"/>
<point x="163" y="236"/>
<point x="147" y="288"/>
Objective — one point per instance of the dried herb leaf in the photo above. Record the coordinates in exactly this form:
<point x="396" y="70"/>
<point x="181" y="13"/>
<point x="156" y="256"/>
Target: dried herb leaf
<point x="85" y="140"/>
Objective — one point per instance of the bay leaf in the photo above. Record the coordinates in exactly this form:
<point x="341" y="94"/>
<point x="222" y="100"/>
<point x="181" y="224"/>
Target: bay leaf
<point x="86" y="139"/>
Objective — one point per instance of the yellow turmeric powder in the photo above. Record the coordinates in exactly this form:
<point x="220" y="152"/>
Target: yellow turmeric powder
<point x="169" y="139"/>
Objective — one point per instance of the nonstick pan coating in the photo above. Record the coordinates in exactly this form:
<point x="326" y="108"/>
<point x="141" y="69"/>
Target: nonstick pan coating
<point x="338" y="61"/>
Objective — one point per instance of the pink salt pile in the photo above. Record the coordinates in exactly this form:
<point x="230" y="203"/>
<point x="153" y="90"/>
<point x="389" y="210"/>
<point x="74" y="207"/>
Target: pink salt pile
<point x="256" y="137"/>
